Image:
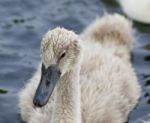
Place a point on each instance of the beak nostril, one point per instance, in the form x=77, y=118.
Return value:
x=47, y=83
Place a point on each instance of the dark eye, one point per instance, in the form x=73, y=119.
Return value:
x=63, y=55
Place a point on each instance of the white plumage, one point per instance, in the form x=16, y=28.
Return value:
x=138, y=10
x=98, y=83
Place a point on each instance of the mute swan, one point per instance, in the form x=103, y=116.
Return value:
x=138, y=10
x=95, y=81
x=146, y=122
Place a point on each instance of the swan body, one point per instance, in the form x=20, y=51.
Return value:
x=97, y=83
x=138, y=10
x=146, y=122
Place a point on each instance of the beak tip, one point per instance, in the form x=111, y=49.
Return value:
x=37, y=103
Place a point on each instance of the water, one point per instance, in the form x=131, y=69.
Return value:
x=22, y=24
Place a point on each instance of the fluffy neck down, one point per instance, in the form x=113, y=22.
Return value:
x=67, y=99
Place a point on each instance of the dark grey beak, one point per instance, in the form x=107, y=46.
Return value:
x=49, y=78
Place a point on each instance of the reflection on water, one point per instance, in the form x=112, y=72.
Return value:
x=18, y=21
x=146, y=95
x=2, y=91
x=147, y=47
x=111, y=3
x=22, y=24
x=147, y=58
x=142, y=27
x=147, y=83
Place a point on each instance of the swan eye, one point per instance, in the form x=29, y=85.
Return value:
x=62, y=55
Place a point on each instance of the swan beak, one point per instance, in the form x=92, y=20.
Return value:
x=48, y=81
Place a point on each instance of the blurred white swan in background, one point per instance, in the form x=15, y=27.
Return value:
x=94, y=78
x=138, y=10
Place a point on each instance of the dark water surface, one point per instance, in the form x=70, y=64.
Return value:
x=22, y=24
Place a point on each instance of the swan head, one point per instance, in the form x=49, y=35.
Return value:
x=60, y=53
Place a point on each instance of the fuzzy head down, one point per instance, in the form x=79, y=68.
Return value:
x=60, y=46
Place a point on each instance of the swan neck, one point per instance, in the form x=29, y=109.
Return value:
x=67, y=99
